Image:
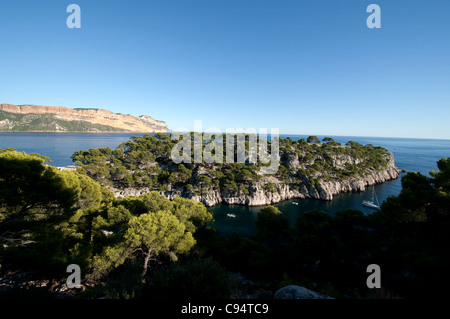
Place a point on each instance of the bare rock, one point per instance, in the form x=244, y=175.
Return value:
x=297, y=292
x=124, y=122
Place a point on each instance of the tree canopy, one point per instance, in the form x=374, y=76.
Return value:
x=145, y=163
x=51, y=218
x=313, y=139
x=138, y=245
x=28, y=189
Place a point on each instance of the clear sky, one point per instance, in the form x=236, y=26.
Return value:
x=305, y=67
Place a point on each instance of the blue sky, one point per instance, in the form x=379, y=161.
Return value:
x=305, y=67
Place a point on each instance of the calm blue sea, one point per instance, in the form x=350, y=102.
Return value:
x=418, y=155
x=60, y=146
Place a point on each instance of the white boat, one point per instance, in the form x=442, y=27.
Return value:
x=295, y=203
x=371, y=204
x=231, y=215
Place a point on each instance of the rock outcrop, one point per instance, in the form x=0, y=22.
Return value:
x=305, y=170
x=324, y=190
x=63, y=119
x=260, y=196
x=297, y=292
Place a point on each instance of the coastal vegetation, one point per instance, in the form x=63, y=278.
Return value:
x=51, y=218
x=148, y=246
x=305, y=167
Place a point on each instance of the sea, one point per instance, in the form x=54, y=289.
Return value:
x=410, y=154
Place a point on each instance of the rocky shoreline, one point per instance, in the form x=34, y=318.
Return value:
x=259, y=196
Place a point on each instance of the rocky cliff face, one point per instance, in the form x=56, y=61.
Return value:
x=63, y=119
x=259, y=196
x=324, y=190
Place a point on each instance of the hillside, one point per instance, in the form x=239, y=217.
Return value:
x=307, y=170
x=34, y=118
x=150, y=248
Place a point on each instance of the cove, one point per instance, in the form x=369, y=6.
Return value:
x=244, y=221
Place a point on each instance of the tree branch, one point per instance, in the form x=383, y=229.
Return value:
x=17, y=241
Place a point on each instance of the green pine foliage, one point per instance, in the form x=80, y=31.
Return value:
x=151, y=247
x=51, y=218
x=145, y=162
x=407, y=238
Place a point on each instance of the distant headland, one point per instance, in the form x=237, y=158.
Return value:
x=36, y=118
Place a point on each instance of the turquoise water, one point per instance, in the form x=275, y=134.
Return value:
x=418, y=155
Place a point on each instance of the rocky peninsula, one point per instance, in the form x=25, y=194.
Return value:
x=307, y=170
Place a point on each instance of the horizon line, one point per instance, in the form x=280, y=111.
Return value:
x=325, y=135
